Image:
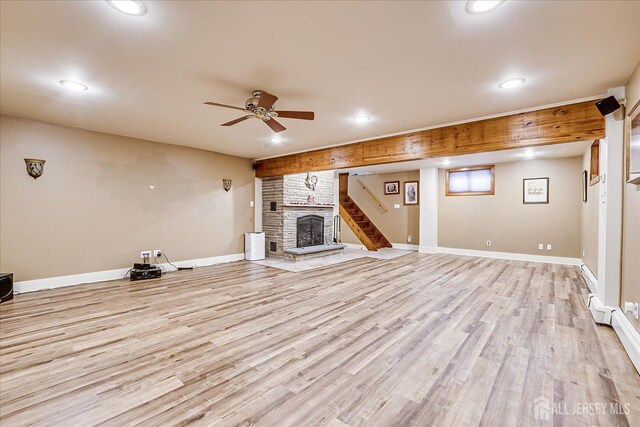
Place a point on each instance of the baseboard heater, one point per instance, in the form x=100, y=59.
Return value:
x=589, y=278
x=600, y=312
x=614, y=317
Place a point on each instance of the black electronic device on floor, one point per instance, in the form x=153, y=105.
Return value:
x=144, y=272
x=6, y=287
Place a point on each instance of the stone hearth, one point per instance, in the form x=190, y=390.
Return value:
x=296, y=254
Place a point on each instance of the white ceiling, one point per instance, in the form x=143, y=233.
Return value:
x=572, y=149
x=406, y=64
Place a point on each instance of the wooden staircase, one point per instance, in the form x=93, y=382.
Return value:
x=357, y=220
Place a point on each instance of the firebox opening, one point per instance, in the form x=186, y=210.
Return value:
x=309, y=231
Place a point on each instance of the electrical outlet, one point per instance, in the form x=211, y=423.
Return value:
x=157, y=253
x=541, y=246
x=548, y=246
x=251, y=204
x=145, y=254
x=584, y=252
x=488, y=242
x=408, y=239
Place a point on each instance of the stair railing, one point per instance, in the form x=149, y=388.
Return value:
x=365, y=188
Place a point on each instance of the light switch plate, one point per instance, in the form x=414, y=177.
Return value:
x=396, y=205
x=548, y=247
x=541, y=246
x=251, y=203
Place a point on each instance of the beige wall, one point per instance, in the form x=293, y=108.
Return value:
x=631, y=220
x=590, y=219
x=396, y=224
x=93, y=210
x=467, y=222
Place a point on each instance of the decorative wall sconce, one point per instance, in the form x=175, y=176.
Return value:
x=226, y=184
x=35, y=167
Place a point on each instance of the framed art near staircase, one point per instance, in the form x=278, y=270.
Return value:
x=411, y=192
x=392, y=187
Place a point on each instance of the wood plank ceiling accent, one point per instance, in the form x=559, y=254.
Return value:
x=555, y=125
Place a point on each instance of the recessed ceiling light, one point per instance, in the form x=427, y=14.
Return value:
x=446, y=162
x=477, y=7
x=512, y=83
x=77, y=86
x=130, y=7
x=276, y=139
x=151, y=187
x=361, y=119
x=528, y=154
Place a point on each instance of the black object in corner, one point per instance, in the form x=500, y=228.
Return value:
x=6, y=287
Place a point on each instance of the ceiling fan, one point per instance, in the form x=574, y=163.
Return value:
x=260, y=106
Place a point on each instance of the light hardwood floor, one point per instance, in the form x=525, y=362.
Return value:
x=416, y=340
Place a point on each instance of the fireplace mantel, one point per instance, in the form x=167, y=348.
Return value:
x=294, y=205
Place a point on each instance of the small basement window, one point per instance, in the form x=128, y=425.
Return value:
x=473, y=181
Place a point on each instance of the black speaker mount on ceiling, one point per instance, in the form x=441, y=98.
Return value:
x=607, y=105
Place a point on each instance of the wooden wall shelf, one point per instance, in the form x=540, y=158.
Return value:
x=293, y=205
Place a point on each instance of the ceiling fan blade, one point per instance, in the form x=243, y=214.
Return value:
x=233, y=122
x=275, y=126
x=303, y=115
x=266, y=100
x=225, y=106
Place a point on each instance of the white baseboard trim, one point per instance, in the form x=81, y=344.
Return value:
x=402, y=246
x=354, y=246
x=203, y=262
x=101, y=276
x=628, y=335
x=509, y=255
x=405, y=246
x=73, y=279
x=589, y=278
x=427, y=250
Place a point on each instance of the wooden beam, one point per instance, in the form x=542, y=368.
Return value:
x=555, y=125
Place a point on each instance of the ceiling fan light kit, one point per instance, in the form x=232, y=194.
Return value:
x=261, y=106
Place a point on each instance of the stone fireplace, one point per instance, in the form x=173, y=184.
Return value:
x=297, y=212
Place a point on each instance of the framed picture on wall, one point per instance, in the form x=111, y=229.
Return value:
x=585, y=185
x=535, y=191
x=392, y=187
x=632, y=143
x=411, y=192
